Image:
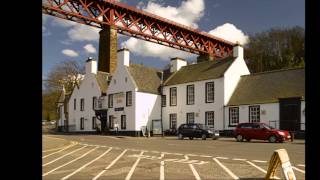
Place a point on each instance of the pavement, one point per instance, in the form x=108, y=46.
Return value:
x=121, y=157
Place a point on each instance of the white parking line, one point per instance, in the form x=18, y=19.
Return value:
x=205, y=156
x=59, y=150
x=302, y=165
x=226, y=169
x=259, y=161
x=64, y=156
x=69, y=162
x=110, y=165
x=222, y=158
x=259, y=168
x=300, y=170
x=74, y=172
x=162, y=170
x=133, y=167
x=195, y=173
x=237, y=159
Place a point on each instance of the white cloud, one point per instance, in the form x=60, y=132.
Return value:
x=62, y=22
x=70, y=53
x=231, y=33
x=89, y=48
x=188, y=13
x=81, y=32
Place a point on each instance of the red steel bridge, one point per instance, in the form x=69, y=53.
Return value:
x=140, y=24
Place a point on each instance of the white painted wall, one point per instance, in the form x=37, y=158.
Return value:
x=61, y=114
x=119, y=84
x=148, y=108
x=233, y=73
x=200, y=106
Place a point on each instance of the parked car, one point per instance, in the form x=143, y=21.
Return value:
x=196, y=130
x=260, y=131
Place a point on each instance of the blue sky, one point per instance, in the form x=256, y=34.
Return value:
x=230, y=19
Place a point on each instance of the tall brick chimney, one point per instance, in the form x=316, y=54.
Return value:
x=107, y=61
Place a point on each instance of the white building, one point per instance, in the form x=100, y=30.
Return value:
x=219, y=93
x=133, y=96
x=275, y=98
x=83, y=99
x=198, y=92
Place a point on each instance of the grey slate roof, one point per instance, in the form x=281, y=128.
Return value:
x=102, y=79
x=147, y=79
x=200, y=71
x=267, y=87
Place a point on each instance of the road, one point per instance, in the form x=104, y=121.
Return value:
x=109, y=157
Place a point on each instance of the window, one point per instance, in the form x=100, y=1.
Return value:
x=123, y=122
x=94, y=102
x=209, y=92
x=190, y=94
x=233, y=116
x=82, y=104
x=173, y=121
x=110, y=100
x=210, y=118
x=94, y=123
x=125, y=79
x=74, y=104
x=129, y=98
x=254, y=113
x=82, y=123
x=163, y=100
x=111, y=122
x=173, y=96
x=190, y=118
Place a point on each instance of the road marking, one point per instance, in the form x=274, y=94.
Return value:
x=155, y=151
x=192, y=155
x=195, y=173
x=237, y=159
x=225, y=168
x=222, y=158
x=74, y=172
x=162, y=168
x=110, y=165
x=205, y=156
x=302, y=165
x=259, y=161
x=133, y=167
x=59, y=150
x=64, y=156
x=300, y=170
x=259, y=168
x=69, y=162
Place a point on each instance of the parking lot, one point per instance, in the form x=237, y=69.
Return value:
x=101, y=157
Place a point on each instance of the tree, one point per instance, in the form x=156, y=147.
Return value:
x=276, y=49
x=64, y=75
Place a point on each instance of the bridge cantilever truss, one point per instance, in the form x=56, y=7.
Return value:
x=139, y=24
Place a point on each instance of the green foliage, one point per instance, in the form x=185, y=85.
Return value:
x=276, y=49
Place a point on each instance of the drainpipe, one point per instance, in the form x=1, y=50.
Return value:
x=161, y=94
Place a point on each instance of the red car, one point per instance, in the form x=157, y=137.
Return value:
x=260, y=131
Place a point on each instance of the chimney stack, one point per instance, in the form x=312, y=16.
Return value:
x=176, y=64
x=91, y=66
x=123, y=57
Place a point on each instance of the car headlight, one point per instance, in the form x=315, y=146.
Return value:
x=281, y=133
x=210, y=132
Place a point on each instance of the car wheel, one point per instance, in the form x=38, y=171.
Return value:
x=191, y=138
x=248, y=140
x=272, y=139
x=239, y=138
x=215, y=138
x=180, y=136
x=204, y=137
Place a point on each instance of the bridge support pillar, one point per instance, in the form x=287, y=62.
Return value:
x=108, y=45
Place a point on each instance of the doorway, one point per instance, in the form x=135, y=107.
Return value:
x=156, y=127
x=290, y=114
